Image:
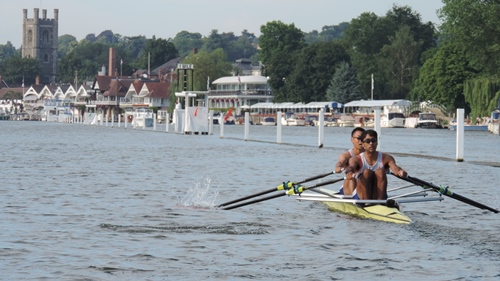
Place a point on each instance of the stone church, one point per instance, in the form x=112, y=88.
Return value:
x=40, y=40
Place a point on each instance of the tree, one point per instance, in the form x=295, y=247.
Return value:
x=244, y=47
x=87, y=58
x=185, y=42
x=344, y=86
x=11, y=95
x=314, y=67
x=279, y=43
x=6, y=51
x=15, y=69
x=475, y=26
x=420, y=31
x=399, y=60
x=235, y=47
x=65, y=44
x=364, y=37
x=157, y=52
x=482, y=95
x=441, y=78
x=133, y=46
x=368, y=34
x=213, y=65
x=328, y=33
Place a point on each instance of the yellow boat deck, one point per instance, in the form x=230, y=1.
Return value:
x=375, y=212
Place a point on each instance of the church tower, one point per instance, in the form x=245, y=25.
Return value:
x=40, y=40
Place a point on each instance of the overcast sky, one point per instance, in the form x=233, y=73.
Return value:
x=165, y=18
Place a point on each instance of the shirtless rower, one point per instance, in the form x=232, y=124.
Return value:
x=343, y=162
x=367, y=172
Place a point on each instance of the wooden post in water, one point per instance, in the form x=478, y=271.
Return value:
x=376, y=126
x=112, y=120
x=460, y=135
x=321, y=129
x=247, y=125
x=278, y=126
x=126, y=119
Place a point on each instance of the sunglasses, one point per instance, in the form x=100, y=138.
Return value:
x=358, y=138
x=370, y=141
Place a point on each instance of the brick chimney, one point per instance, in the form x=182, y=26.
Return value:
x=37, y=80
x=112, y=61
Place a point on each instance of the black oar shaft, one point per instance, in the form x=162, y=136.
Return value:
x=247, y=197
x=273, y=189
x=315, y=177
x=454, y=195
x=254, y=201
x=280, y=194
x=449, y=194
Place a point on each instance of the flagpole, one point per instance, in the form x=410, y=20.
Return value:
x=373, y=86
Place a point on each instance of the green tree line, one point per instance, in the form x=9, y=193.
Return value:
x=408, y=58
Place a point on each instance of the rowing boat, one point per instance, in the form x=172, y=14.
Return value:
x=366, y=209
x=375, y=212
x=383, y=210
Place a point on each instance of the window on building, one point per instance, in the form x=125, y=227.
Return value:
x=45, y=58
x=45, y=36
x=30, y=36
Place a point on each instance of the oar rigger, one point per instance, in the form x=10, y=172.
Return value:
x=447, y=192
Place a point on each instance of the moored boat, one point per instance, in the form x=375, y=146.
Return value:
x=427, y=120
x=345, y=121
x=292, y=120
x=392, y=120
x=142, y=117
x=364, y=122
x=268, y=121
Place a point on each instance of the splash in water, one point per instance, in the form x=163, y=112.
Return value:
x=202, y=195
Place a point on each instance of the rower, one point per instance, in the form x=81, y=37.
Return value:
x=367, y=172
x=343, y=162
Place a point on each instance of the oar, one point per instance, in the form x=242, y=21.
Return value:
x=295, y=190
x=446, y=191
x=285, y=185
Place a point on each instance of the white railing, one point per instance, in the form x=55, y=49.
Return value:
x=106, y=102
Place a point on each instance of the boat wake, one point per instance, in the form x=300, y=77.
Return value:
x=234, y=228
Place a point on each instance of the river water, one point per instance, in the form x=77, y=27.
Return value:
x=100, y=203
